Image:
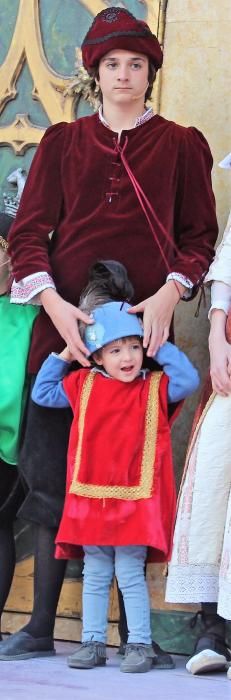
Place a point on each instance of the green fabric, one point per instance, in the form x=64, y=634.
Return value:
x=16, y=323
x=177, y=631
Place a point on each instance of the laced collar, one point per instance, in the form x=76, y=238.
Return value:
x=148, y=114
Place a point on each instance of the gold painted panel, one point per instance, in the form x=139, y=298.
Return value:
x=48, y=85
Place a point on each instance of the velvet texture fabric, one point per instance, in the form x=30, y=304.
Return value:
x=11, y=493
x=42, y=463
x=116, y=28
x=78, y=187
x=118, y=459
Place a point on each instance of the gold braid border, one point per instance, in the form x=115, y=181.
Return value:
x=144, y=488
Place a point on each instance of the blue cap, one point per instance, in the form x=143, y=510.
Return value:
x=111, y=323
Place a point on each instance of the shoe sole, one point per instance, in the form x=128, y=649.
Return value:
x=136, y=669
x=84, y=666
x=207, y=665
x=165, y=666
x=26, y=655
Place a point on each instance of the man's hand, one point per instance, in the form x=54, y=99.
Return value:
x=65, y=318
x=220, y=354
x=157, y=315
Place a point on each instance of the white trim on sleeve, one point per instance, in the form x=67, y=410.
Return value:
x=183, y=280
x=27, y=290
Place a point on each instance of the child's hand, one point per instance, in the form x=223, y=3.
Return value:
x=66, y=355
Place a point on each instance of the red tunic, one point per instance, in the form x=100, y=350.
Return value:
x=120, y=481
x=78, y=187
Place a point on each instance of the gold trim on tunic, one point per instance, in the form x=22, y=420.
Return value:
x=144, y=488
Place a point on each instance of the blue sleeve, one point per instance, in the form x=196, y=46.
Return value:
x=183, y=376
x=48, y=388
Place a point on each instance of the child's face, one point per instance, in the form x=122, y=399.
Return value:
x=122, y=359
x=4, y=270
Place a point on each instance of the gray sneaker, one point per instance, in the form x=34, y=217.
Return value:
x=88, y=655
x=138, y=658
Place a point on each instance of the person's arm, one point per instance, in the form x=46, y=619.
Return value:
x=40, y=207
x=195, y=227
x=158, y=311
x=65, y=318
x=220, y=354
x=27, y=290
x=220, y=297
x=183, y=376
x=195, y=221
x=185, y=281
x=38, y=216
x=220, y=268
x=48, y=388
x=219, y=348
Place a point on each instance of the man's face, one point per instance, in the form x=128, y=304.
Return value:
x=123, y=76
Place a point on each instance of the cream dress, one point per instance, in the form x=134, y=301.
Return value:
x=200, y=568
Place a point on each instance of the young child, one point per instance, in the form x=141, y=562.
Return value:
x=120, y=497
x=16, y=325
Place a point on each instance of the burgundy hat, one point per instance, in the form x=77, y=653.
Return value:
x=116, y=28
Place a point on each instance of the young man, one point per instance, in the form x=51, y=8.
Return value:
x=123, y=184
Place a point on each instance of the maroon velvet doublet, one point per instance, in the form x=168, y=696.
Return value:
x=78, y=188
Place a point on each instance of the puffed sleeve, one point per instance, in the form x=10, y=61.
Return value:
x=220, y=269
x=195, y=216
x=40, y=207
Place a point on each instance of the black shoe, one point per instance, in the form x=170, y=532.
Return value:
x=22, y=645
x=162, y=660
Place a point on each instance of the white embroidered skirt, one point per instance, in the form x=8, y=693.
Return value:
x=200, y=568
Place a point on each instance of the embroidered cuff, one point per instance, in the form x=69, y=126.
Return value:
x=183, y=280
x=29, y=288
